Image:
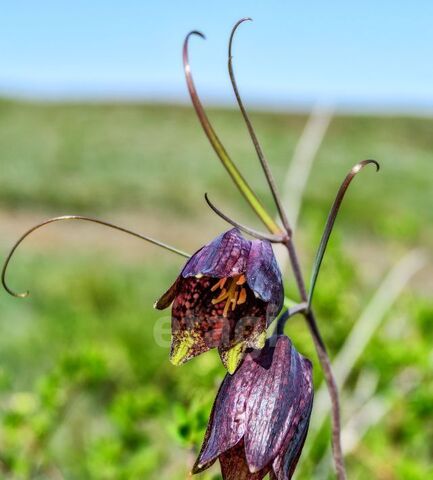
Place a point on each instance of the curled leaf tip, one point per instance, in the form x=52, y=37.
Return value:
x=15, y=294
x=374, y=162
x=245, y=19
x=197, y=33
x=359, y=166
x=232, y=34
x=3, y=279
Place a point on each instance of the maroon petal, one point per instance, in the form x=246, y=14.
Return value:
x=226, y=256
x=227, y=422
x=243, y=277
x=248, y=332
x=198, y=324
x=259, y=403
x=266, y=404
x=167, y=298
x=276, y=402
x=264, y=275
x=285, y=464
x=234, y=465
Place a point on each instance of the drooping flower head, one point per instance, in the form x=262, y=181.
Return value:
x=260, y=417
x=225, y=297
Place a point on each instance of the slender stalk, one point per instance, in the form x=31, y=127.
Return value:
x=77, y=217
x=324, y=362
x=308, y=314
x=367, y=324
x=282, y=320
x=263, y=162
x=285, y=237
x=311, y=319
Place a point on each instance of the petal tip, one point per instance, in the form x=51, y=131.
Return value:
x=260, y=341
x=167, y=298
x=233, y=357
x=157, y=305
x=181, y=350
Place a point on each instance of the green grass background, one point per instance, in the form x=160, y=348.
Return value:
x=86, y=389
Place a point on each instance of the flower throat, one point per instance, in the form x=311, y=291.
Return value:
x=232, y=292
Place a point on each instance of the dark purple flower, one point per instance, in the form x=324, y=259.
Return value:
x=260, y=417
x=226, y=295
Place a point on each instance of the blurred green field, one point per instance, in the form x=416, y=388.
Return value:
x=86, y=388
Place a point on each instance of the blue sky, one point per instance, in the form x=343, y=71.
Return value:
x=370, y=54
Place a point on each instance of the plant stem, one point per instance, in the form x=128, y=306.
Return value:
x=274, y=229
x=282, y=320
x=324, y=362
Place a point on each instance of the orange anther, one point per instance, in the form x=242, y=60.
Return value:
x=222, y=296
x=242, y=296
x=219, y=284
x=233, y=293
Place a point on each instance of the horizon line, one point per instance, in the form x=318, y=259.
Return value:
x=289, y=106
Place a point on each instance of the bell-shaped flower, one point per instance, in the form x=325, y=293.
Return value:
x=260, y=417
x=225, y=297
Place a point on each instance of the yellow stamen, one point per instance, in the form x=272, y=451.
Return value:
x=234, y=299
x=242, y=296
x=226, y=308
x=223, y=295
x=234, y=293
x=219, y=284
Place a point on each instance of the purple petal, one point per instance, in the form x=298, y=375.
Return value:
x=285, y=464
x=193, y=310
x=248, y=332
x=228, y=418
x=272, y=405
x=264, y=275
x=275, y=403
x=234, y=465
x=168, y=297
x=226, y=256
x=266, y=404
x=198, y=324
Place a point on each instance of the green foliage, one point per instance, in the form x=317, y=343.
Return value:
x=86, y=389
